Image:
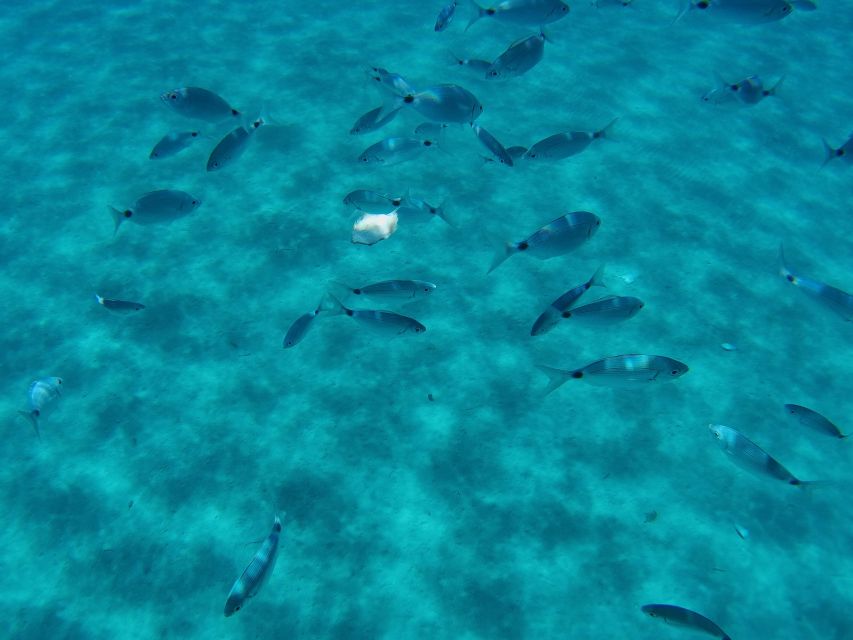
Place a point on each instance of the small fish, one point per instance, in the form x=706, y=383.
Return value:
x=491, y=143
x=431, y=130
x=557, y=238
x=749, y=456
x=728, y=346
x=603, y=4
x=748, y=91
x=681, y=617
x=393, y=82
x=441, y=103
x=119, y=306
x=563, y=145
x=740, y=11
x=405, y=289
x=838, y=301
x=558, y=309
x=519, y=58
x=391, y=151
x=41, y=393
x=372, y=201
x=418, y=211
x=198, y=103
x=371, y=228
x=384, y=322
x=606, y=311
x=813, y=420
x=844, y=152
x=156, y=207
x=530, y=13
x=475, y=65
x=172, y=144
x=445, y=16
x=256, y=574
x=619, y=371
x=741, y=531
x=299, y=329
x=232, y=146
x=373, y=120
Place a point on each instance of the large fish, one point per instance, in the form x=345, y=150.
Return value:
x=198, y=103
x=530, y=13
x=563, y=145
x=606, y=311
x=41, y=393
x=256, y=574
x=557, y=238
x=519, y=58
x=749, y=456
x=813, y=420
x=838, y=301
x=681, y=617
x=384, y=322
x=156, y=207
x=558, y=309
x=625, y=371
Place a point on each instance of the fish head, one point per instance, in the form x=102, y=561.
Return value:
x=676, y=369
x=718, y=432
x=173, y=97
x=235, y=600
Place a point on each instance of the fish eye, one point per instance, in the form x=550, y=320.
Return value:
x=194, y=134
x=567, y=314
x=128, y=213
x=195, y=202
x=173, y=96
x=703, y=4
x=734, y=87
x=523, y=245
x=675, y=372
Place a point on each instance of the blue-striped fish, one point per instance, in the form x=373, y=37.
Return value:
x=384, y=322
x=625, y=371
x=556, y=238
x=813, y=420
x=256, y=574
x=233, y=145
x=563, y=145
x=558, y=309
x=198, y=103
x=404, y=289
x=681, y=617
x=445, y=16
x=838, y=301
x=156, y=207
x=606, y=311
x=41, y=393
x=749, y=456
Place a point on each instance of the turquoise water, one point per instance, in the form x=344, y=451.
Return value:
x=491, y=511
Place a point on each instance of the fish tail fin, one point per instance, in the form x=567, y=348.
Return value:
x=456, y=60
x=808, y=485
x=607, y=131
x=99, y=299
x=331, y=305
x=830, y=152
x=556, y=377
x=502, y=252
x=339, y=289
x=597, y=279
x=686, y=5
x=118, y=217
x=480, y=13
x=545, y=35
x=805, y=5
x=784, y=271
x=441, y=212
x=772, y=90
x=33, y=417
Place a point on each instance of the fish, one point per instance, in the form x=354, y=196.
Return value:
x=748, y=91
x=173, y=143
x=749, y=456
x=843, y=152
x=393, y=82
x=557, y=238
x=404, y=289
x=475, y=65
x=372, y=201
x=606, y=311
x=431, y=130
x=256, y=574
x=603, y=4
x=530, y=13
x=440, y=103
x=491, y=143
x=391, y=151
x=299, y=329
x=445, y=16
x=384, y=322
x=198, y=103
x=39, y=394
x=156, y=207
x=813, y=420
x=373, y=120
x=233, y=145
x=563, y=145
x=371, y=228
x=681, y=617
x=119, y=306
x=625, y=371
x=519, y=58
x=738, y=11
x=558, y=309
x=834, y=299
x=416, y=210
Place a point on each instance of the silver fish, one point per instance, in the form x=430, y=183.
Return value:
x=198, y=103
x=748, y=12
x=606, y=311
x=445, y=16
x=603, y=4
x=749, y=456
x=844, y=152
x=372, y=201
x=119, y=306
x=386, y=322
x=476, y=66
x=493, y=145
x=557, y=238
x=558, y=309
x=393, y=82
x=563, y=145
x=748, y=91
x=173, y=143
x=232, y=146
x=445, y=103
x=681, y=617
x=404, y=289
x=373, y=120
x=391, y=151
x=156, y=207
x=531, y=13
x=813, y=420
x=633, y=370
x=299, y=329
x=41, y=393
x=431, y=130
x=838, y=301
x=256, y=574
x=519, y=58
